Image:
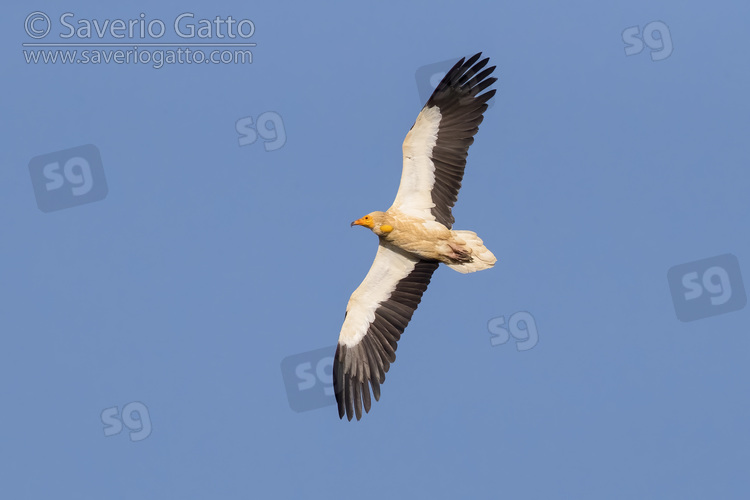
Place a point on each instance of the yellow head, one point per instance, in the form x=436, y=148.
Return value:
x=376, y=221
x=367, y=221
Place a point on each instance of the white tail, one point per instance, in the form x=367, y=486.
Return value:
x=481, y=257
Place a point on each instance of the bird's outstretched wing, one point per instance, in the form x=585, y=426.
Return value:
x=436, y=147
x=376, y=316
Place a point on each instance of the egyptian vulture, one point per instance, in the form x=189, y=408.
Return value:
x=415, y=235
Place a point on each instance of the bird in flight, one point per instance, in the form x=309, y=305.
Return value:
x=414, y=234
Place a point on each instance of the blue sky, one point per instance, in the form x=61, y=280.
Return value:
x=153, y=326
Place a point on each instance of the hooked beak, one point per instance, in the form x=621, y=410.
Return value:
x=361, y=222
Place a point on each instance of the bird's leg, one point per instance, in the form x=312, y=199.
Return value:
x=460, y=254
